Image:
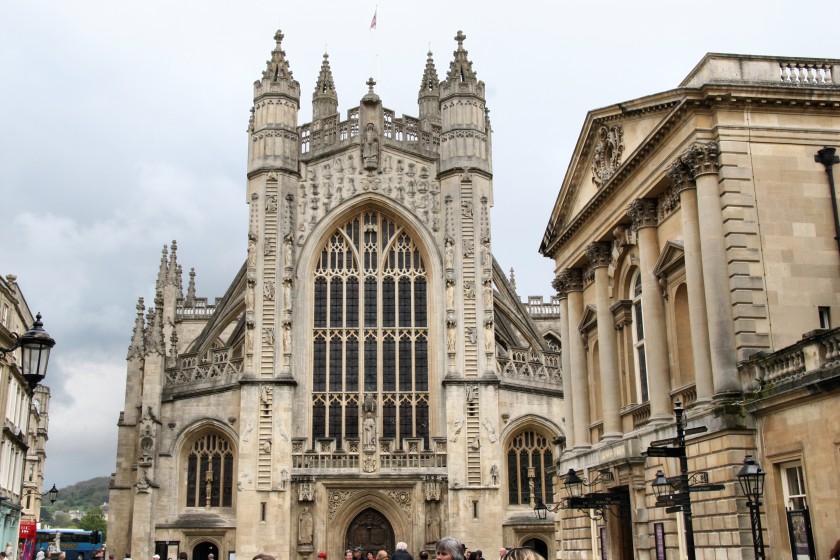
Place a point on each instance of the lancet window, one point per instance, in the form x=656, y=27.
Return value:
x=529, y=461
x=210, y=472
x=370, y=349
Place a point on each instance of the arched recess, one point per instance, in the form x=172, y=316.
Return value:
x=370, y=251
x=359, y=501
x=181, y=448
x=202, y=550
x=536, y=543
x=529, y=441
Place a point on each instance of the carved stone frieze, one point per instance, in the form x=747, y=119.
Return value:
x=607, y=153
x=337, y=498
x=403, y=500
x=643, y=212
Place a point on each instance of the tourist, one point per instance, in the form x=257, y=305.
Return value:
x=448, y=548
x=401, y=553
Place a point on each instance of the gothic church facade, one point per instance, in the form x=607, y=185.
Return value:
x=370, y=374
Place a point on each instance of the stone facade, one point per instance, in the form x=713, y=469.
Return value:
x=694, y=243
x=25, y=420
x=370, y=374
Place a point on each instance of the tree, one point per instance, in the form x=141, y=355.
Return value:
x=93, y=520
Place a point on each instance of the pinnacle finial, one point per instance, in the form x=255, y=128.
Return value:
x=370, y=83
x=278, y=37
x=460, y=38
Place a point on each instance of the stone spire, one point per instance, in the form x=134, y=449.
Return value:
x=429, y=96
x=277, y=68
x=325, y=98
x=460, y=69
x=191, y=289
x=137, y=348
x=154, y=334
x=163, y=271
x=173, y=272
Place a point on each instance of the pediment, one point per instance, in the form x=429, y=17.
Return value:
x=589, y=319
x=671, y=257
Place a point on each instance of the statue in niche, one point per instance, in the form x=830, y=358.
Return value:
x=488, y=295
x=287, y=250
x=287, y=338
x=433, y=525
x=472, y=393
x=305, y=526
x=370, y=148
x=494, y=475
x=249, y=296
x=449, y=253
x=472, y=335
x=489, y=335
x=249, y=339
x=450, y=294
x=252, y=252
x=369, y=429
x=450, y=337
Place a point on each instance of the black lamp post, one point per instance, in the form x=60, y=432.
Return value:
x=35, y=345
x=751, y=477
x=541, y=510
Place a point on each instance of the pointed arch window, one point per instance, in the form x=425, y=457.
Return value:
x=370, y=333
x=640, y=361
x=529, y=462
x=210, y=472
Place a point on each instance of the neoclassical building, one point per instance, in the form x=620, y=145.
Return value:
x=370, y=375
x=696, y=261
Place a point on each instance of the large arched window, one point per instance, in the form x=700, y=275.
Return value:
x=210, y=472
x=370, y=356
x=528, y=463
x=640, y=360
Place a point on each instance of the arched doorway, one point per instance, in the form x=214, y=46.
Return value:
x=204, y=549
x=538, y=545
x=371, y=531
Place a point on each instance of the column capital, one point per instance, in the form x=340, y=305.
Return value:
x=560, y=287
x=571, y=279
x=599, y=253
x=680, y=174
x=643, y=213
x=703, y=158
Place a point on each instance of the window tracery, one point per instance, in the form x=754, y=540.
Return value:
x=370, y=332
x=210, y=472
x=529, y=462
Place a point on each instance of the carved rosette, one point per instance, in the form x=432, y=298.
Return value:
x=643, y=213
x=337, y=498
x=702, y=158
x=607, y=153
x=599, y=253
x=403, y=499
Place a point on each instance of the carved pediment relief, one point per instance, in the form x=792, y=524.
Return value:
x=607, y=153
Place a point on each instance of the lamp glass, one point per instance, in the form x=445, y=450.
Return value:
x=35, y=345
x=540, y=510
x=53, y=494
x=661, y=486
x=751, y=477
x=573, y=484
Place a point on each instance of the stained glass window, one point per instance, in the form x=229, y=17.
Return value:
x=210, y=472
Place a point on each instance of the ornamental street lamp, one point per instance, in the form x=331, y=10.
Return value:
x=35, y=345
x=598, y=502
x=751, y=477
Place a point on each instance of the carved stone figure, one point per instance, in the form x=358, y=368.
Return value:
x=369, y=428
x=494, y=475
x=370, y=148
x=433, y=526
x=450, y=337
x=305, y=526
x=449, y=253
x=252, y=252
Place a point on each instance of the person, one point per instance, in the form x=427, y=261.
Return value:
x=502, y=552
x=448, y=548
x=370, y=556
x=40, y=555
x=357, y=553
x=182, y=555
x=523, y=554
x=423, y=555
x=381, y=555
x=401, y=552
x=322, y=555
x=348, y=554
x=156, y=557
x=263, y=556
x=835, y=551
x=128, y=555
x=210, y=556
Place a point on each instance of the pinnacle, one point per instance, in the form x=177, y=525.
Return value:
x=430, y=80
x=460, y=69
x=277, y=68
x=325, y=86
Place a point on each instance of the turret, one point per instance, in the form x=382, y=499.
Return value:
x=429, y=96
x=465, y=136
x=325, y=98
x=273, y=127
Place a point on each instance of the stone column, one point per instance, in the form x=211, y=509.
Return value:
x=643, y=213
x=565, y=363
x=572, y=280
x=702, y=158
x=679, y=173
x=598, y=254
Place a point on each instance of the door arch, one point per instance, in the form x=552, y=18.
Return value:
x=370, y=530
x=202, y=550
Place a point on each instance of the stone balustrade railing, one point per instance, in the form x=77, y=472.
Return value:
x=521, y=364
x=190, y=368
x=805, y=73
x=354, y=456
x=198, y=308
x=537, y=307
x=817, y=350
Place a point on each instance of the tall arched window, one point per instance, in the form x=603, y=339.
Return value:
x=210, y=472
x=639, y=339
x=528, y=461
x=370, y=364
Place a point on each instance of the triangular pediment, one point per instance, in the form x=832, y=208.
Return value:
x=612, y=142
x=672, y=256
x=589, y=319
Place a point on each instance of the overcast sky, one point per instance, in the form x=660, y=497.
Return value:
x=122, y=127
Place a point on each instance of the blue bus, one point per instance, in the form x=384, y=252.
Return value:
x=77, y=544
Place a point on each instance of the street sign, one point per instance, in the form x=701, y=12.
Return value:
x=673, y=509
x=706, y=487
x=670, y=500
x=665, y=451
x=661, y=442
x=697, y=430
x=595, y=501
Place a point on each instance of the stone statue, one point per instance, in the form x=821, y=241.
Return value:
x=449, y=253
x=433, y=526
x=370, y=148
x=369, y=428
x=494, y=475
x=305, y=526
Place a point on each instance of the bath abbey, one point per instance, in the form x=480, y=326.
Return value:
x=371, y=375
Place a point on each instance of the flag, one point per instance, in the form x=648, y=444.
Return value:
x=373, y=21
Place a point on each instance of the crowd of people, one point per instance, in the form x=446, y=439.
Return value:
x=448, y=548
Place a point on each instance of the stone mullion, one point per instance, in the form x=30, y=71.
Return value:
x=644, y=214
x=599, y=256
x=703, y=161
x=679, y=173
